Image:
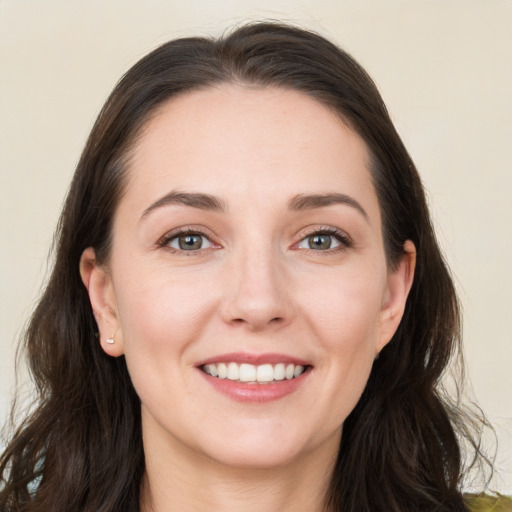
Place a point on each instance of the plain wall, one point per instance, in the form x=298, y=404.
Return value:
x=443, y=67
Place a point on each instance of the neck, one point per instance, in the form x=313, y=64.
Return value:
x=178, y=478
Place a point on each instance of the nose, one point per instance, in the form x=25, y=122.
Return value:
x=258, y=294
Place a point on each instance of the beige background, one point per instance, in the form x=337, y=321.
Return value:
x=444, y=68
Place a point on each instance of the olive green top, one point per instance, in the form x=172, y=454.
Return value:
x=485, y=503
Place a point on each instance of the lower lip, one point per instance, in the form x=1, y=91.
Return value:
x=256, y=393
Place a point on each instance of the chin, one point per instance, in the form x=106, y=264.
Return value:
x=256, y=458
x=274, y=449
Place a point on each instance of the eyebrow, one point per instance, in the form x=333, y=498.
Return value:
x=195, y=200
x=310, y=201
x=207, y=202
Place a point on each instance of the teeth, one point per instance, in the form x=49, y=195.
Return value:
x=265, y=373
x=262, y=373
x=298, y=370
x=233, y=372
x=247, y=372
x=279, y=371
x=222, y=370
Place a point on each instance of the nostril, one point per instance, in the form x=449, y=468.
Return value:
x=256, y=324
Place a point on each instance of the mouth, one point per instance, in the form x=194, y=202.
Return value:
x=255, y=378
x=247, y=373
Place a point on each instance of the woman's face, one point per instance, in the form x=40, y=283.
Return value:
x=247, y=284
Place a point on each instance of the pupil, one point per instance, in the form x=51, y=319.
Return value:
x=190, y=242
x=320, y=242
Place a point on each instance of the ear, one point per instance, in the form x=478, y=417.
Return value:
x=101, y=294
x=399, y=284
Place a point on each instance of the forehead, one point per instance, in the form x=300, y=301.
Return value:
x=235, y=141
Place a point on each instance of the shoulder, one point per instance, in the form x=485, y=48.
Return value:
x=486, y=503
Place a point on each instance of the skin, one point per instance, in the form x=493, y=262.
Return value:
x=256, y=286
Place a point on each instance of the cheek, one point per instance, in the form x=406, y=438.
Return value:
x=346, y=310
x=160, y=316
x=345, y=318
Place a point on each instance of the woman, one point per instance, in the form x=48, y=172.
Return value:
x=248, y=309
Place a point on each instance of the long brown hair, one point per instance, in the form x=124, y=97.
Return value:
x=80, y=449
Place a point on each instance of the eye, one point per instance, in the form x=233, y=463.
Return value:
x=319, y=242
x=325, y=240
x=189, y=242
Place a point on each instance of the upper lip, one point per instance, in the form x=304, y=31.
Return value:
x=255, y=359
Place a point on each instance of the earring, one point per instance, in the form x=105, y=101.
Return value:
x=112, y=339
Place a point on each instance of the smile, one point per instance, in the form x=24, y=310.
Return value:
x=255, y=378
x=254, y=374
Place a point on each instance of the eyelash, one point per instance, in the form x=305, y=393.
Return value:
x=345, y=242
x=169, y=237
